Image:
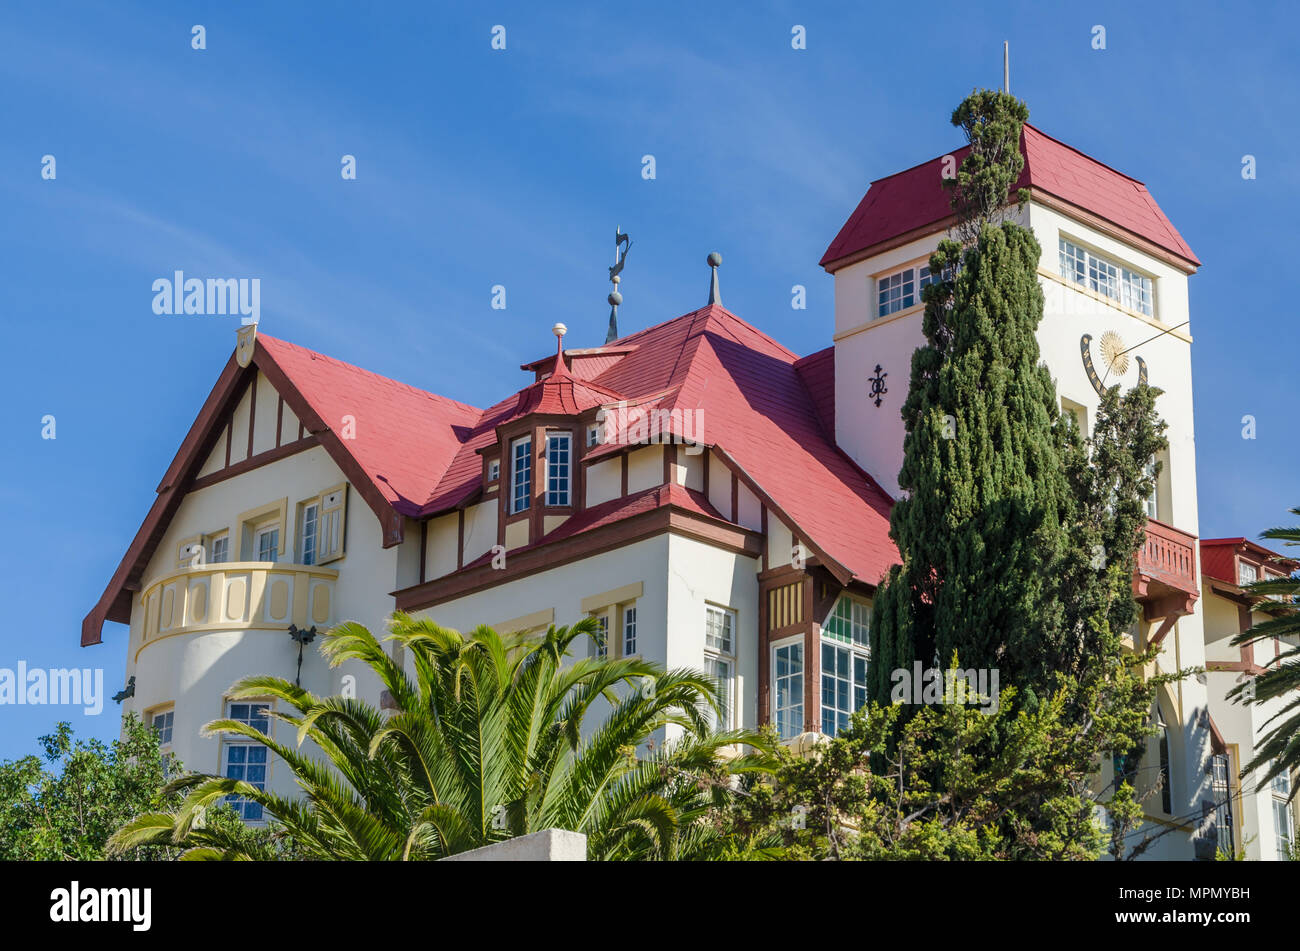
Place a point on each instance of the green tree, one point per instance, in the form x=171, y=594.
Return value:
x=1279, y=748
x=65, y=803
x=492, y=737
x=952, y=782
x=980, y=527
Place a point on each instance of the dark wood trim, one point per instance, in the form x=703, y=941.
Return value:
x=424, y=547
x=301, y=430
x=623, y=475
x=841, y=573
x=533, y=559
x=230, y=426
x=766, y=541
x=1242, y=666
x=253, y=462
x=460, y=540
x=279, y=420
x=707, y=452
x=812, y=664
x=252, y=415
x=392, y=525
x=735, y=497
x=670, y=460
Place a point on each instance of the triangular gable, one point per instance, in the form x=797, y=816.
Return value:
x=308, y=395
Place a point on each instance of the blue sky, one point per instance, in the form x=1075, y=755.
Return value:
x=479, y=167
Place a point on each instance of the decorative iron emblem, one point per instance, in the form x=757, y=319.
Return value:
x=878, y=384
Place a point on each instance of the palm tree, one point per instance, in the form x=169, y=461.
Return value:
x=494, y=736
x=1280, y=748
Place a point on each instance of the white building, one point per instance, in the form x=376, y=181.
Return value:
x=717, y=500
x=1253, y=817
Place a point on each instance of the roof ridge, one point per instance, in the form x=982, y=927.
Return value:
x=316, y=354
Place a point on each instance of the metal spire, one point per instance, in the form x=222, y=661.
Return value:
x=622, y=241
x=1006, y=66
x=715, y=261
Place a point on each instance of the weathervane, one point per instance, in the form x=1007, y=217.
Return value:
x=622, y=241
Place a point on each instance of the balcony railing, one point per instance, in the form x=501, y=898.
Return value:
x=1165, y=580
x=238, y=595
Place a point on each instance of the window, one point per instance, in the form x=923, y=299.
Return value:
x=1166, y=776
x=787, y=689
x=1283, y=820
x=720, y=659
x=600, y=643
x=1246, y=573
x=162, y=725
x=521, y=475
x=629, y=630
x=332, y=528
x=267, y=544
x=719, y=624
x=310, y=524
x=557, y=468
x=494, y=470
x=1152, y=502
x=219, y=549
x=1129, y=288
x=246, y=760
x=849, y=621
x=723, y=670
x=1222, y=792
x=593, y=435
x=896, y=292
x=845, y=639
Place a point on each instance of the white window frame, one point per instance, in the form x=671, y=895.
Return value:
x=309, y=532
x=722, y=653
x=593, y=435
x=263, y=532
x=228, y=744
x=1243, y=578
x=774, y=692
x=559, y=472
x=223, y=539
x=494, y=470
x=167, y=711
x=1151, y=504
x=627, y=615
x=855, y=652
x=1283, y=817
x=1130, y=288
x=893, y=294
x=521, y=476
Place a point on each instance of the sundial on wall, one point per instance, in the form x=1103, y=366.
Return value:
x=1114, y=360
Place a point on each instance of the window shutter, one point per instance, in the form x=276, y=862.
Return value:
x=332, y=528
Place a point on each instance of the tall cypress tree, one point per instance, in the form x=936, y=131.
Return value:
x=981, y=527
x=1017, y=535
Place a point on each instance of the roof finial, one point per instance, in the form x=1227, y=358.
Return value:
x=715, y=261
x=1006, y=66
x=621, y=240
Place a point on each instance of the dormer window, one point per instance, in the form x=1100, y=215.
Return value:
x=558, y=468
x=1246, y=573
x=1129, y=288
x=521, y=474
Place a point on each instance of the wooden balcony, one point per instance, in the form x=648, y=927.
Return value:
x=238, y=595
x=1165, y=581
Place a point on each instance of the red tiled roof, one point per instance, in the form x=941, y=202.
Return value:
x=763, y=407
x=404, y=438
x=916, y=199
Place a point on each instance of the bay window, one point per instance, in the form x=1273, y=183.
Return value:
x=521, y=474
x=787, y=688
